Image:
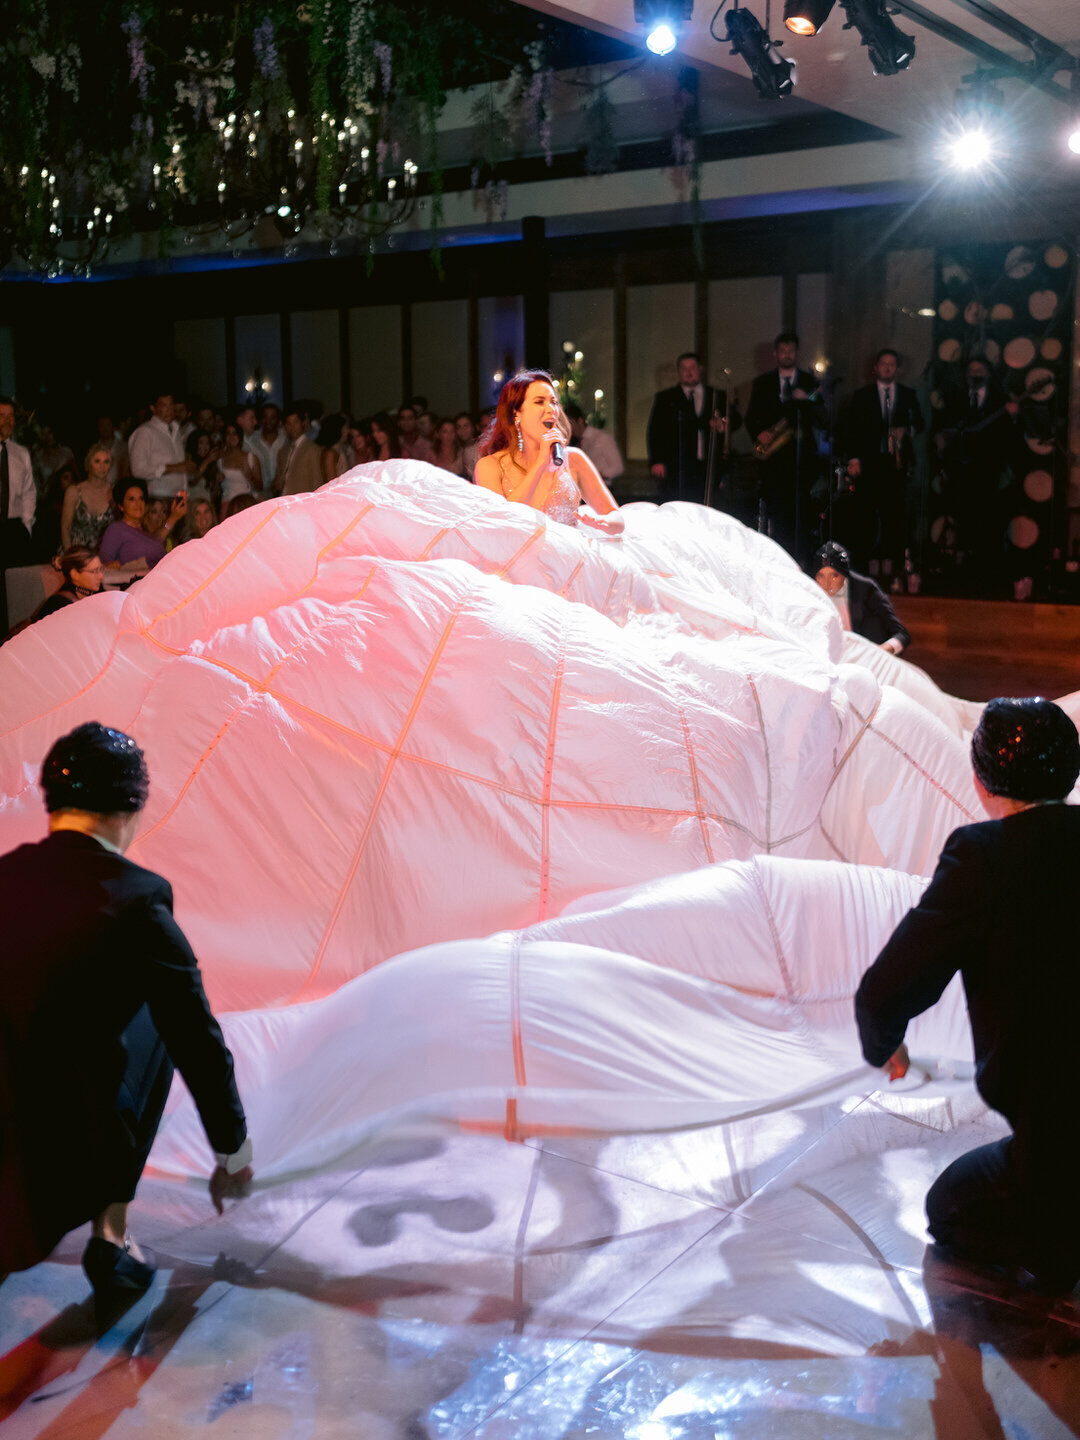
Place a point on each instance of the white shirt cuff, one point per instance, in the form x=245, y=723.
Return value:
x=232, y=1163
x=893, y=645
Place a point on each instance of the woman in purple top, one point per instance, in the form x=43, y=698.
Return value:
x=125, y=544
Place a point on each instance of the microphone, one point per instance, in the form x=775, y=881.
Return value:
x=558, y=454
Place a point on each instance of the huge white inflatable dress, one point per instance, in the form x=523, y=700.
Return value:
x=489, y=821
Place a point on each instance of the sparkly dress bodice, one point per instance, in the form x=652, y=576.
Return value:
x=88, y=528
x=563, y=498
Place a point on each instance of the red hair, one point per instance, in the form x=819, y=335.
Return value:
x=501, y=434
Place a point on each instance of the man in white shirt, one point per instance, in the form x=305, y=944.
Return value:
x=267, y=443
x=18, y=500
x=156, y=452
x=598, y=445
x=413, y=444
x=185, y=425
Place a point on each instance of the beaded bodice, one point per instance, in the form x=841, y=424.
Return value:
x=563, y=497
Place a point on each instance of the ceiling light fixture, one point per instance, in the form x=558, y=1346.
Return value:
x=772, y=74
x=663, y=20
x=890, y=49
x=806, y=17
x=977, y=135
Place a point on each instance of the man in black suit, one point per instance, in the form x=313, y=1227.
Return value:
x=787, y=476
x=864, y=607
x=882, y=421
x=101, y=997
x=1001, y=909
x=685, y=423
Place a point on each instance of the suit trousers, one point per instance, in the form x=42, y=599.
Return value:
x=1011, y=1203
x=140, y=1101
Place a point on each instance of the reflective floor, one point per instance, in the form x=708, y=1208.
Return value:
x=761, y=1280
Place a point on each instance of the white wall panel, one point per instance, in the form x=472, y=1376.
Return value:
x=659, y=326
x=375, y=358
x=316, y=357
x=501, y=326
x=744, y=317
x=440, y=354
x=812, y=318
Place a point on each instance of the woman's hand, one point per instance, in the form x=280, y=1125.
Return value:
x=548, y=441
x=611, y=524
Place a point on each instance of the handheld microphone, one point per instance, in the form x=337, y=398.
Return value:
x=558, y=454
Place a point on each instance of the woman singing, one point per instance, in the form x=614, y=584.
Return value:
x=516, y=458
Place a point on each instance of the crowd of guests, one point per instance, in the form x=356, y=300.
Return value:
x=166, y=477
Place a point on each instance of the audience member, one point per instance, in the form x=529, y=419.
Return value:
x=863, y=605
x=125, y=544
x=48, y=455
x=109, y=436
x=18, y=500
x=201, y=520
x=241, y=473
x=82, y=570
x=386, y=441
x=102, y=997
x=363, y=450
x=426, y=425
x=161, y=520
x=598, y=445
x=413, y=444
x=333, y=457
x=45, y=541
x=184, y=423
x=446, y=449
x=156, y=452
x=238, y=503
x=299, y=467
x=204, y=420
x=266, y=444
x=88, y=506
x=465, y=431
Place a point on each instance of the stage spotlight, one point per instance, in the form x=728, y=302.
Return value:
x=1073, y=140
x=662, y=19
x=773, y=76
x=806, y=17
x=890, y=49
x=661, y=40
x=970, y=149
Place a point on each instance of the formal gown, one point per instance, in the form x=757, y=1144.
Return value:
x=563, y=498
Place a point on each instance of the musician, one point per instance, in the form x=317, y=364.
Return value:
x=974, y=438
x=882, y=420
x=782, y=413
x=685, y=420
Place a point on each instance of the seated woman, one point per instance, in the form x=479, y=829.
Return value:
x=82, y=570
x=385, y=441
x=518, y=458
x=201, y=520
x=446, y=450
x=88, y=507
x=126, y=545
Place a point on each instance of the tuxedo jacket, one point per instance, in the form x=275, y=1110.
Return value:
x=300, y=467
x=872, y=614
x=89, y=944
x=867, y=432
x=1001, y=909
x=674, y=427
x=766, y=407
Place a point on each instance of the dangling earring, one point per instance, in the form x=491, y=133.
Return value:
x=521, y=438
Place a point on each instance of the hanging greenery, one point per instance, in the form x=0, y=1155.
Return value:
x=142, y=115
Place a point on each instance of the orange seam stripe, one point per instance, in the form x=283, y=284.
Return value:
x=699, y=803
x=545, y=799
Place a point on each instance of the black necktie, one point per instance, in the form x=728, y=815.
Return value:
x=5, y=483
x=785, y=391
x=886, y=404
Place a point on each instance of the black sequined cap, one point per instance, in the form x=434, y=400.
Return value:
x=96, y=769
x=1026, y=750
x=833, y=554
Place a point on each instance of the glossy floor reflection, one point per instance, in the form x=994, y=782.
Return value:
x=766, y=1279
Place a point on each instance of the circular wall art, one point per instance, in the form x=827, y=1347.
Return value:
x=973, y=312
x=1037, y=446
x=1042, y=304
x=1038, y=486
x=943, y=531
x=1019, y=353
x=950, y=351
x=992, y=351
x=1001, y=312
x=1023, y=532
x=948, y=310
x=1056, y=256
x=1019, y=263
x=1040, y=385
x=1051, y=348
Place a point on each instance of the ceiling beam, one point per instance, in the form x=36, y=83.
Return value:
x=1001, y=64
